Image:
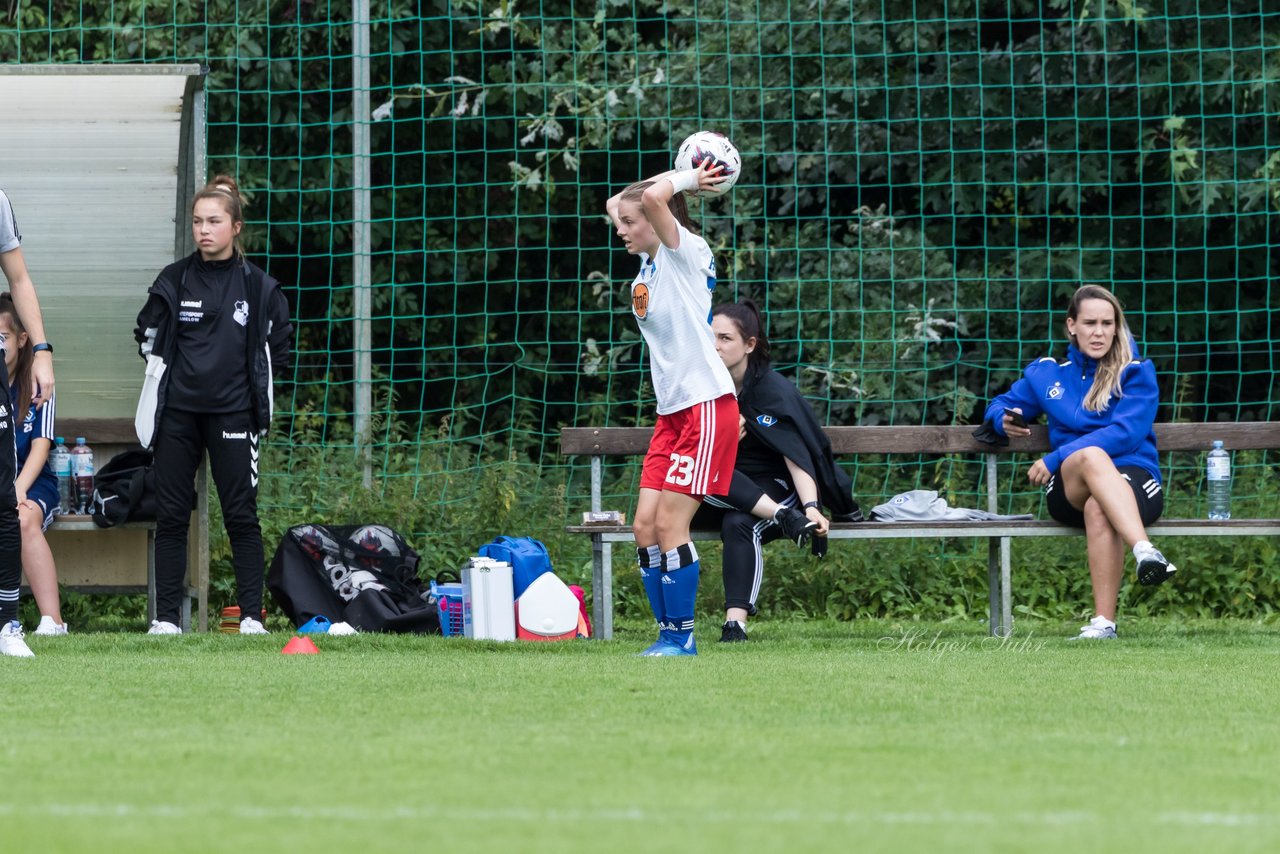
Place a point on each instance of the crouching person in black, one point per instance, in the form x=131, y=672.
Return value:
x=785, y=472
x=214, y=332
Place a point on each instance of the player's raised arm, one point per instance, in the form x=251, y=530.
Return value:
x=657, y=198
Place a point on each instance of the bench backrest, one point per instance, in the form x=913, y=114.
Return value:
x=946, y=439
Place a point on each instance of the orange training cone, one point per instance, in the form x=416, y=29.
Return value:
x=300, y=646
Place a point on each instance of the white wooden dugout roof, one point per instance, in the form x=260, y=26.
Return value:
x=100, y=163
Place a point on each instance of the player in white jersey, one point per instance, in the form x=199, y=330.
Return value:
x=695, y=440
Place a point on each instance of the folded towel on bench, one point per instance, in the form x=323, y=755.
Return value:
x=924, y=505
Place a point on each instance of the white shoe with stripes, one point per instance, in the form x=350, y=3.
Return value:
x=1099, y=628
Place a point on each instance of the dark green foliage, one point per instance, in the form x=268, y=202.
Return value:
x=921, y=192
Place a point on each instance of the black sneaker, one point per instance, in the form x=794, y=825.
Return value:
x=1154, y=568
x=732, y=632
x=796, y=526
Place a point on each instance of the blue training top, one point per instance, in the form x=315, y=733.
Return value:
x=38, y=425
x=1123, y=428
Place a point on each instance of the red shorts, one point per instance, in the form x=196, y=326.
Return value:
x=693, y=451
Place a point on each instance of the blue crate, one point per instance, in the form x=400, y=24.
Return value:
x=455, y=610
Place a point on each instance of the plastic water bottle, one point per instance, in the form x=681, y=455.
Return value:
x=1219, y=482
x=82, y=475
x=61, y=461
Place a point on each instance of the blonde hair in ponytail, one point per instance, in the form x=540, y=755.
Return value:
x=1106, y=382
x=224, y=189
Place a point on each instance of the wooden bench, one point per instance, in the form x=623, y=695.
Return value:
x=601, y=442
x=111, y=560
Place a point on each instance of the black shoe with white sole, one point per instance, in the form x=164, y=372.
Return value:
x=796, y=526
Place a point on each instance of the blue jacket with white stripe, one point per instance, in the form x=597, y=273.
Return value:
x=1124, y=428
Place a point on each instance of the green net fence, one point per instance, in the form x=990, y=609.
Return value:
x=924, y=184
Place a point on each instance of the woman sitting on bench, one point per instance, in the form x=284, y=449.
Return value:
x=1103, y=474
x=35, y=487
x=784, y=474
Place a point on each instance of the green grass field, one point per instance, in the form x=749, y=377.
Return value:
x=812, y=737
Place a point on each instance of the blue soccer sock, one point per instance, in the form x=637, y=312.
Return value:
x=650, y=559
x=680, y=593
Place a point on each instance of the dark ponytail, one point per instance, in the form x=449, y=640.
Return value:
x=746, y=316
x=26, y=355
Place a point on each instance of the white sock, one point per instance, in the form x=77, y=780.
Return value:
x=1103, y=621
x=1142, y=549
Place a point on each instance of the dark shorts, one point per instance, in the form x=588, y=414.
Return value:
x=47, y=497
x=1145, y=488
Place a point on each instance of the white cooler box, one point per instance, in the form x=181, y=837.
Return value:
x=547, y=611
x=493, y=613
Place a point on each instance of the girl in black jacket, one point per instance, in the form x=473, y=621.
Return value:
x=785, y=473
x=215, y=331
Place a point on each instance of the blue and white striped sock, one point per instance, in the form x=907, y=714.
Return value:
x=650, y=559
x=680, y=593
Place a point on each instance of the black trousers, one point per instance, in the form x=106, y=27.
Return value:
x=744, y=535
x=232, y=443
x=10, y=530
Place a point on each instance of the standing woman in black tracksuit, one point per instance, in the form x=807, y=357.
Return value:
x=785, y=474
x=213, y=332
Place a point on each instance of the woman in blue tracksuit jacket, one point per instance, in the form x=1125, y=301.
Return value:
x=1103, y=474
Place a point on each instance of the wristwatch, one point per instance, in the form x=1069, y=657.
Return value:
x=809, y=504
x=43, y=345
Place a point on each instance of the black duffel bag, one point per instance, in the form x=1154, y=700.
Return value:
x=363, y=575
x=124, y=490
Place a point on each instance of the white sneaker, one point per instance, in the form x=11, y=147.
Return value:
x=1099, y=628
x=49, y=627
x=163, y=627
x=250, y=626
x=11, y=642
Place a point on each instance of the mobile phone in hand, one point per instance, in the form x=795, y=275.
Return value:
x=1015, y=417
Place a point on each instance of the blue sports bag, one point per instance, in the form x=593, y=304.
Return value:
x=527, y=556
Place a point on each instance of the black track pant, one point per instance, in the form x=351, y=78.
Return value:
x=10, y=531
x=744, y=535
x=181, y=440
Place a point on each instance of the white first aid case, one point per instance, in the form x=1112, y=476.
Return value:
x=493, y=609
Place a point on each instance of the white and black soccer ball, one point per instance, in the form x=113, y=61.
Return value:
x=708, y=145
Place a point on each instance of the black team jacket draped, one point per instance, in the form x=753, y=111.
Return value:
x=780, y=418
x=268, y=336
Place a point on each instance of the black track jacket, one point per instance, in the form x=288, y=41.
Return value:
x=779, y=417
x=269, y=334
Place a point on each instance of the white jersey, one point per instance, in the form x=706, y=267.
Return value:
x=671, y=300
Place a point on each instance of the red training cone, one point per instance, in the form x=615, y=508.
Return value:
x=300, y=646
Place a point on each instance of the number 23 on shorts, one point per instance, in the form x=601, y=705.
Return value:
x=681, y=471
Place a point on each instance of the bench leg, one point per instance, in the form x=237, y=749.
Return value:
x=1006, y=587
x=151, y=577
x=602, y=587
x=606, y=586
x=999, y=598
x=993, y=586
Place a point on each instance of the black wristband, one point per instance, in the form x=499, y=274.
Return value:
x=809, y=504
x=44, y=345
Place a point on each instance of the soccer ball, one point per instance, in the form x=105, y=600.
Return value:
x=373, y=542
x=716, y=147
